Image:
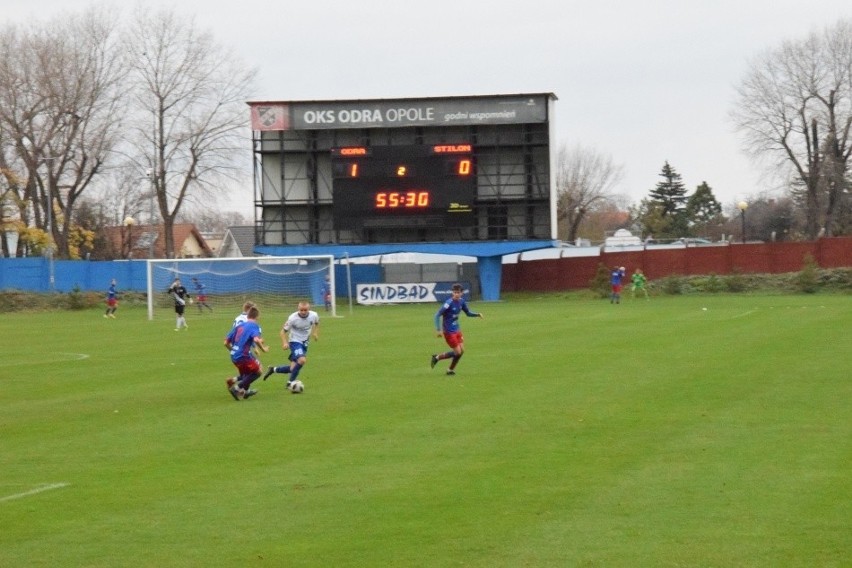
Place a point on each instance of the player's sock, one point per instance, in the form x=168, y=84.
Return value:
x=455, y=361
x=249, y=379
x=294, y=372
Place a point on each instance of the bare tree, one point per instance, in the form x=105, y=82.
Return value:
x=795, y=107
x=9, y=209
x=585, y=180
x=191, y=123
x=60, y=86
x=213, y=220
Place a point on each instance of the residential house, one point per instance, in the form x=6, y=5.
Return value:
x=237, y=242
x=148, y=241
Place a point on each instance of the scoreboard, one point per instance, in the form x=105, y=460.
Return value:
x=415, y=186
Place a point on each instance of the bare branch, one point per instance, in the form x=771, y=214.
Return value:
x=794, y=107
x=585, y=179
x=189, y=122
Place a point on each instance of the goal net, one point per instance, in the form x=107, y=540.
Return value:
x=271, y=282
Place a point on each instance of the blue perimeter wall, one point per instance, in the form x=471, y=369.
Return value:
x=33, y=275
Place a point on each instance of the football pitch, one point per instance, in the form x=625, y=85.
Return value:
x=682, y=431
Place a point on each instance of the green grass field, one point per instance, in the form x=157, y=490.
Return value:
x=576, y=433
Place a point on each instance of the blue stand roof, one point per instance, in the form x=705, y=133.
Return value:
x=489, y=255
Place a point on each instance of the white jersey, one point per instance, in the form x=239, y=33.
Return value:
x=242, y=318
x=298, y=328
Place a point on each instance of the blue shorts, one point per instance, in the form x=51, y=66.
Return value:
x=297, y=350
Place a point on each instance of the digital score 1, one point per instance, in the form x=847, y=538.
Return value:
x=403, y=186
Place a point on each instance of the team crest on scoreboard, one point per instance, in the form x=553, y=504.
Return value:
x=270, y=117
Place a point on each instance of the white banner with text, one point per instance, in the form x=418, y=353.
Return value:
x=407, y=293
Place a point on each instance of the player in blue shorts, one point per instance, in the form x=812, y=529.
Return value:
x=300, y=327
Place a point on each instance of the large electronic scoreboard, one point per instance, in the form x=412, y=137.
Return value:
x=413, y=186
x=472, y=169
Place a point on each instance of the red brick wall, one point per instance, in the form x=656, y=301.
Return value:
x=577, y=272
x=834, y=253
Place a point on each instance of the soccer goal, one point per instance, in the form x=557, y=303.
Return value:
x=272, y=282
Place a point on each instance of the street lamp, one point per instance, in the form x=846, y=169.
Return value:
x=129, y=222
x=742, y=206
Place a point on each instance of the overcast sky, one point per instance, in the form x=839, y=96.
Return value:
x=642, y=81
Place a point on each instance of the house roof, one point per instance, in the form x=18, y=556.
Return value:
x=141, y=237
x=238, y=241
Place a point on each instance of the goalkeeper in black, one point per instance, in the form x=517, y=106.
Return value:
x=181, y=296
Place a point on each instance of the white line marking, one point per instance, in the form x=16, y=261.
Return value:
x=748, y=313
x=75, y=356
x=49, y=359
x=35, y=491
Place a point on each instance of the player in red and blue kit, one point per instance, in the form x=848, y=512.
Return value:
x=326, y=292
x=240, y=341
x=450, y=329
x=112, y=300
x=615, y=278
x=201, y=295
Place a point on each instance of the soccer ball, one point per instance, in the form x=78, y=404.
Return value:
x=296, y=387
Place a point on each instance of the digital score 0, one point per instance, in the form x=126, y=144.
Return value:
x=403, y=186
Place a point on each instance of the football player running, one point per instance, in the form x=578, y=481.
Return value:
x=300, y=327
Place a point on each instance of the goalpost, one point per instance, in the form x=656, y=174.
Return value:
x=278, y=282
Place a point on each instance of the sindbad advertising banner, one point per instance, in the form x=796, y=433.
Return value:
x=421, y=292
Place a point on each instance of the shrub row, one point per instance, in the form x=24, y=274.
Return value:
x=17, y=300
x=809, y=280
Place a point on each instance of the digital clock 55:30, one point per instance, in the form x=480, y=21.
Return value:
x=413, y=199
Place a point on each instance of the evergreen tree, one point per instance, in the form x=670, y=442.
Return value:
x=670, y=193
x=702, y=209
x=649, y=216
x=668, y=201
